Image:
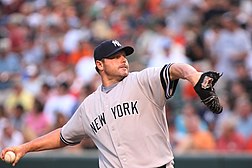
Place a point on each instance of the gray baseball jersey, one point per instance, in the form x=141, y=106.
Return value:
x=127, y=124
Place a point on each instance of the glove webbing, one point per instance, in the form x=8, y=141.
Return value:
x=213, y=103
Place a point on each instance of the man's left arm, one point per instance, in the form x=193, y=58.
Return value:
x=184, y=71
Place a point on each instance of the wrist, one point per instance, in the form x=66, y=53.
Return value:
x=26, y=147
x=193, y=78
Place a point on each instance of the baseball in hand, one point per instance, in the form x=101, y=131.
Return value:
x=9, y=157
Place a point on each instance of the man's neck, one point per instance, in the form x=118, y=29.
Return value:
x=109, y=88
x=110, y=82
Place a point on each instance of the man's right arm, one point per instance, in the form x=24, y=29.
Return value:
x=46, y=142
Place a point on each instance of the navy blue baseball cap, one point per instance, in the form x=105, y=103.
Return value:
x=110, y=47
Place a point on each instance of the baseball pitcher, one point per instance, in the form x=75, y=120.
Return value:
x=125, y=116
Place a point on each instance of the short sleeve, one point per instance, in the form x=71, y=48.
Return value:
x=155, y=82
x=73, y=131
x=168, y=85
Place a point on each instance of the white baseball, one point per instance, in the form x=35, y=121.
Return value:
x=9, y=157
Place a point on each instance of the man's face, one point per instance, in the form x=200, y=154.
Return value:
x=116, y=66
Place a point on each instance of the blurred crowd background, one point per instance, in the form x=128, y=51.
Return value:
x=47, y=66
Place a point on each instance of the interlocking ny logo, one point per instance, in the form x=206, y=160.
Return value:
x=207, y=82
x=116, y=43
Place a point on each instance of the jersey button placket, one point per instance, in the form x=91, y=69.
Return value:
x=124, y=161
x=113, y=131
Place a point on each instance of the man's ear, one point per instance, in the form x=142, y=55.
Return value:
x=99, y=65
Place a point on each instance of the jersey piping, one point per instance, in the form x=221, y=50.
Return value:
x=165, y=80
x=67, y=142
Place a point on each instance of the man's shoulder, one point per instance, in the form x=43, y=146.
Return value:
x=143, y=74
x=145, y=70
x=93, y=95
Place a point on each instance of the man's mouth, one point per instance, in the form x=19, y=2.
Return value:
x=123, y=66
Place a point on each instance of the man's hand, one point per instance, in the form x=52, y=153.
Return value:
x=205, y=89
x=18, y=150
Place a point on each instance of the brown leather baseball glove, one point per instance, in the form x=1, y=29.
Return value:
x=205, y=89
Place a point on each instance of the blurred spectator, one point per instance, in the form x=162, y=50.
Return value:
x=32, y=80
x=85, y=90
x=230, y=140
x=225, y=115
x=166, y=55
x=33, y=52
x=143, y=39
x=10, y=136
x=3, y=116
x=84, y=49
x=210, y=36
x=213, y=9
x=19, y=95
x=10, y=62
x=243, y=111
x=61, y=119
x=10, y=67
x=36, y=123
x=179, y=13
x=74, y=34
x=248, y=145
x=160, y=45
x=45, y=92
x=235, y=91
x=232, y=46
x=194, y=46
x=248, y=64
x=63, y=101
x=11, y=6
x=17, y=32
x=17, y=117
x=188, y=111
x=34, y=15
x=244, y=78
x=196, y=139
x=85, y=69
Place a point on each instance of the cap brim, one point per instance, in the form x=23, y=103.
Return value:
x=127, y=49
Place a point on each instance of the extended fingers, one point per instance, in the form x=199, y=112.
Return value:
x=16, y=160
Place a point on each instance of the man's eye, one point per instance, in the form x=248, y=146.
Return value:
x=117, y=56
x=112, y=57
